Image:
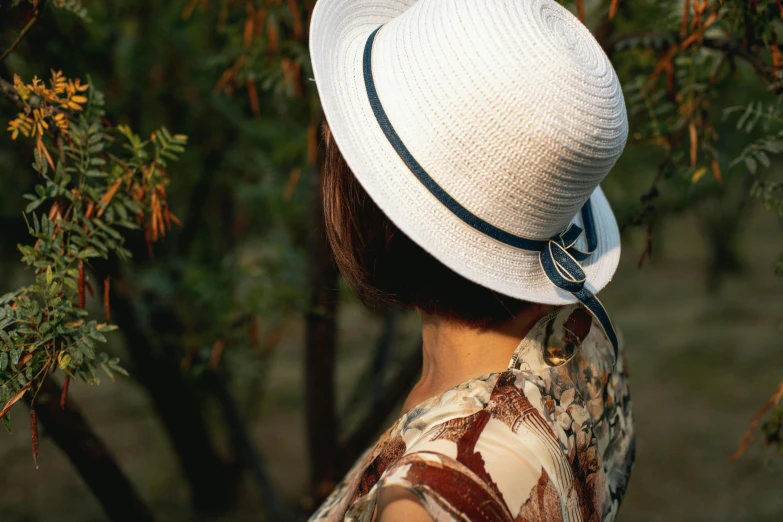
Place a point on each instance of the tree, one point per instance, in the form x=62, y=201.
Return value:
x=94, y=180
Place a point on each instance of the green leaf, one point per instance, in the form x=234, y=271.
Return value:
x=114, y=364
x=6, y=338
x=46, y=226
x=3, y=360
x=107, y=327
x=741, y=121
x=773, y=146
x=98, y=336
x=108, y=372
x=751, y=165
x=89, y=252
x=109, y=230
x=122, y=212
x=33, y=205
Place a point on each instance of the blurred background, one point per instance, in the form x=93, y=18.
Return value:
x=177, y=197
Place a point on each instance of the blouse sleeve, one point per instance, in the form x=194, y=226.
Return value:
x=451, y=490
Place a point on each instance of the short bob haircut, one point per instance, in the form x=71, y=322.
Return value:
x=387, y=269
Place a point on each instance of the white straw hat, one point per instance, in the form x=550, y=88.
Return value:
x=480, y=129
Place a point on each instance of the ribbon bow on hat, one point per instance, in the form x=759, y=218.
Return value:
x=560, y=261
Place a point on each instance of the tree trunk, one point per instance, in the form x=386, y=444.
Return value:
x=247, y=454
x=320, y=349
x=212, y=483
x=75, y=437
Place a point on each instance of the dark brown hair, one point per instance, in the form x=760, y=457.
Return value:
x=385, y=268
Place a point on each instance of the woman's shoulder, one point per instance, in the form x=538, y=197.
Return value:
x=537, y=449
x=487, y=464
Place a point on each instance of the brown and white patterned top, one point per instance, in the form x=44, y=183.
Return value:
x=545, y=440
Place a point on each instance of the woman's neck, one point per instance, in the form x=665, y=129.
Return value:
x=454, y=352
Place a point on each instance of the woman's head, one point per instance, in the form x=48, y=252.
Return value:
x=385, y=268
x=486, y=148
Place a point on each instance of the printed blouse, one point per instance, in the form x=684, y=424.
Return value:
x=549, y=439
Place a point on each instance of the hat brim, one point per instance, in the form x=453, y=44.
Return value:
x=338, y=34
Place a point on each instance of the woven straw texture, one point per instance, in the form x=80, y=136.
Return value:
x=510, y=105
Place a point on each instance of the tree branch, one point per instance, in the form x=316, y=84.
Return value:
x=731, y=48
x=249, y=455
x=96, y=465
x=151, y=345
x=723, y=45
x=321, y=349
x=195, y=216
x=9, y=91
x=23, y=32
x=358, y=441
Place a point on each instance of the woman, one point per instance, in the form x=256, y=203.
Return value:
x=466, y=143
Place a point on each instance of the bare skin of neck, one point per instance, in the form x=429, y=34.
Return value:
x=454, y=352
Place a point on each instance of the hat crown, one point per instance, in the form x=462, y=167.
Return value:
x=511, y=106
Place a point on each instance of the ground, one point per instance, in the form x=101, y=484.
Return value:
x=701, y=366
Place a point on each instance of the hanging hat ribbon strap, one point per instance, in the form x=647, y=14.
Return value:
x=559, y=256
x=560, y=262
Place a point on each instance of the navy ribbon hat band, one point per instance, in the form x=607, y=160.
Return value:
x=559, y=256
